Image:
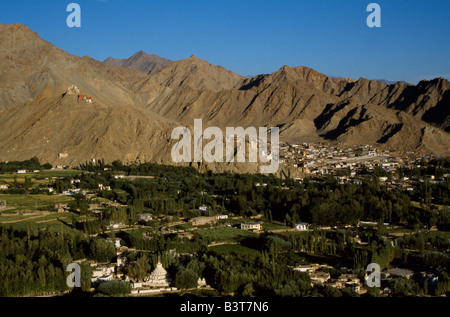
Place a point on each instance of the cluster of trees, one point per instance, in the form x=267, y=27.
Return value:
x=35, y=262
x=30, y=165
x=114, y=289
x=180, y=191
x=159, y=243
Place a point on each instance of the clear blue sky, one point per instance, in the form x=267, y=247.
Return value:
x=255, y=36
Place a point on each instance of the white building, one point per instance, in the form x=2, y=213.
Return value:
x=116, y=242
x=158, y=278
x=302, y=226
x=251, y=226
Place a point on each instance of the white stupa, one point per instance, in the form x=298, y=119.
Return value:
x=158, y=278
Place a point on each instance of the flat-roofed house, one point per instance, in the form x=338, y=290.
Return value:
x=254, y=226
x=302, y=226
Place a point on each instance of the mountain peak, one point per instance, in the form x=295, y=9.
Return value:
x=18, y=33
x=141, y=61
x=16, y=27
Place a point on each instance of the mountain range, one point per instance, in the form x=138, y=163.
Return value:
x=141, y=61
x=137, y=102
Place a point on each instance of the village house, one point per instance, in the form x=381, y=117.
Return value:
x=72, y=192
x=103, y=270
x=121, y=259
x=319, y=277
x=102, y=274
x=302, y=226
x=73, y=90
x=102, y=187
x=115, y=225
x=397, y=272
x=254, y=226
x=61, y=207
x=348, y=280
x=307, y=268
x=145, y=217
x=116, y=242
x=4, y=186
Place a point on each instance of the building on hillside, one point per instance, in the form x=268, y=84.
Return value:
x=319, y=277
x=103, y=273
x=254, y=226
x=4, y=186
x=302, y=226
x=115, y=241
x=73, y=90
x=121, y=259
x=201, y=283
x=145, y=217
x=397, y=272
x=61, y=207
x=307, y=268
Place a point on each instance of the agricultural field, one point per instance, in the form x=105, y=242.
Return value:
x=232, y=248
x=15, y=203
x=39, y=178
x=225, y=234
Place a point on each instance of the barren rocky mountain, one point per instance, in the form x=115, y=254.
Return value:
x=141, y=61
x=133, y=112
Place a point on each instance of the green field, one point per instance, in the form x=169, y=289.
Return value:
x=41, y=178
x=39, y=221
x=225, y=234
x=232, y=248
x=32, y=202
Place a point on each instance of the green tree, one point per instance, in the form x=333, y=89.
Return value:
x=140, y=270
x=186, y=279
x=115, y=288
x=86, y=275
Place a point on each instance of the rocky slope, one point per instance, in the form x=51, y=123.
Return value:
x=134, y=113
x=141, y=61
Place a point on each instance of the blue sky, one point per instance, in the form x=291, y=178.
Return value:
x=253, y=37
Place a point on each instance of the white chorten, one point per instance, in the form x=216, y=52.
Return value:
x=159, y=277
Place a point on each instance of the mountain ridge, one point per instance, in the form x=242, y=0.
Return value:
x=141, y=61
x=133, y=112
